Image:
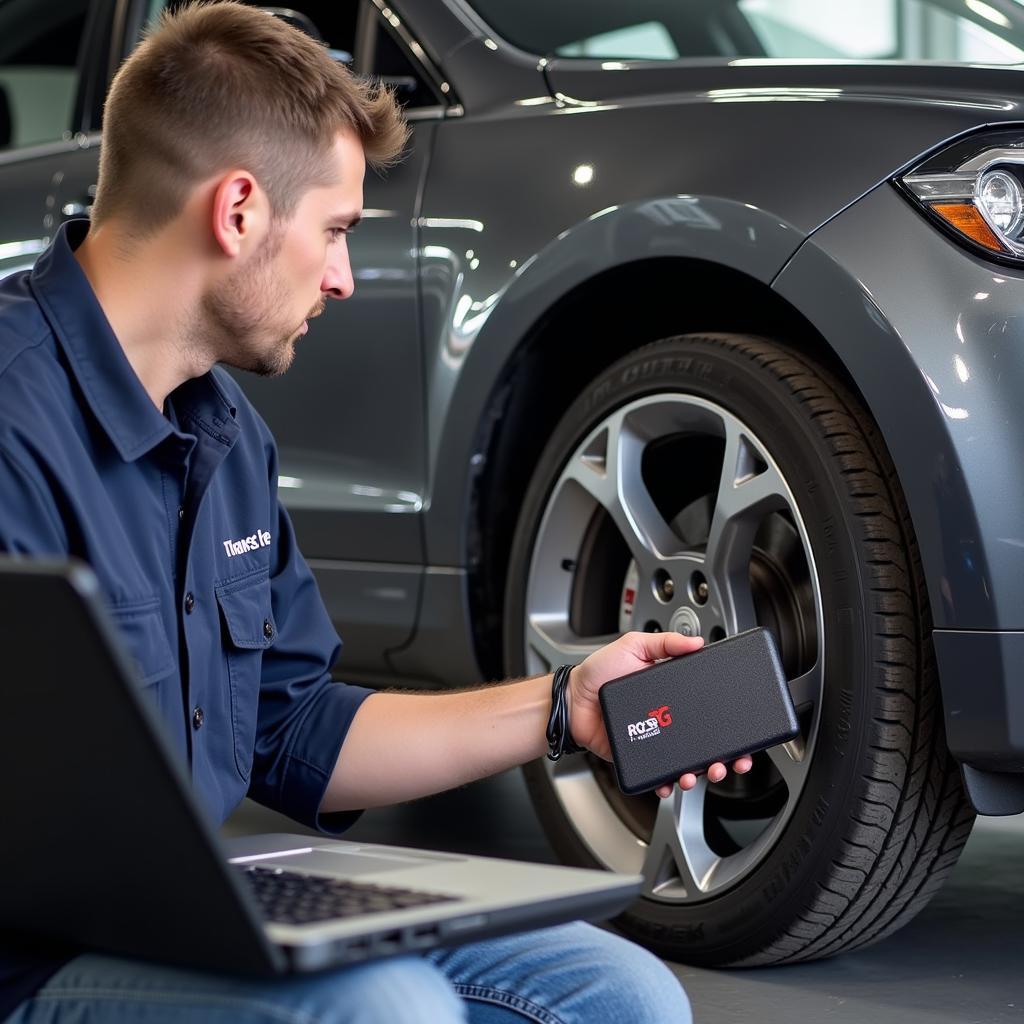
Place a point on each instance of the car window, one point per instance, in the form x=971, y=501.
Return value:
x=39, y=43
x=649, y=40
x=950, y=31
x=392, y=63
x=355, y=33
x=884, y=29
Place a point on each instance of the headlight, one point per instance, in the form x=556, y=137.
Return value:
x=1001, y=199
x=975, y=190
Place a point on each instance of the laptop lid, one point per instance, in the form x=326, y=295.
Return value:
x=86, y=774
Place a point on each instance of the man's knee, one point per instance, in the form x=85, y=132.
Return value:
x=634, y=984
x=406, y=990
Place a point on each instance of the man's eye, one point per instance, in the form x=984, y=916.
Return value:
x=336, y=233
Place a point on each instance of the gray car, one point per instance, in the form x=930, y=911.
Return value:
x=678, y=315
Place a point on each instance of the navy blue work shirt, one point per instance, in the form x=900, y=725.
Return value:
x=178, y=516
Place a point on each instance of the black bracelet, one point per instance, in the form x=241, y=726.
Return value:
x=560, y=739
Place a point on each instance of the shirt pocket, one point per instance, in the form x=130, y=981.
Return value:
x=141, y=627
x=249, y=629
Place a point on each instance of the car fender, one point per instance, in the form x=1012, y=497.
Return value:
x=481, y=334
x=932, y=337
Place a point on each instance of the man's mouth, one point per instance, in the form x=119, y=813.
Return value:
x=315, y=311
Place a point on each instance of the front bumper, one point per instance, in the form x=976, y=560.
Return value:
x=982, y=678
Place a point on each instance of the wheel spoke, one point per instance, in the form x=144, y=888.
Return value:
x=790, y=762
x=678, y=857
x=608, y=468
x=806, y=689
x=608, y=839
x=749, y=488
x=551, y=640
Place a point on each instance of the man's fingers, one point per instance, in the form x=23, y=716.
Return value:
x=715, y=773
x=656, y=646
x=664, y=791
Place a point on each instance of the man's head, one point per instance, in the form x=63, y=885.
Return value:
x=244, y=129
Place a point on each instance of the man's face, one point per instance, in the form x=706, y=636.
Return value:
x=258, y=313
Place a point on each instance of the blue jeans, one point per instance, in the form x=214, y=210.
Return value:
x=572, y=974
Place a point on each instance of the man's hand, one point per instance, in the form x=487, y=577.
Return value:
x=629, y=653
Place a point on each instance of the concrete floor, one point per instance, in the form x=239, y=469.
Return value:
x=961, y=961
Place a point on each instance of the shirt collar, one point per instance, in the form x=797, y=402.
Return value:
x=111, y=387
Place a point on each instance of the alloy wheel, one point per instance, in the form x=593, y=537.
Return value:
x=672, y=514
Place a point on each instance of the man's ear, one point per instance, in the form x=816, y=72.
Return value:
x=241, y=213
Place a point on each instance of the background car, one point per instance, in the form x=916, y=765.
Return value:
x=677, y=315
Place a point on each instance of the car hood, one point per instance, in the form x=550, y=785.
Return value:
x=803, y=140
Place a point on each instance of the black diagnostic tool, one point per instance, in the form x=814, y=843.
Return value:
x=728, y=699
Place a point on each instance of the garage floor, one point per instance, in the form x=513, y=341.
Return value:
x=961, y=961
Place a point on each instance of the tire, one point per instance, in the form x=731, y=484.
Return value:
x=831, y=842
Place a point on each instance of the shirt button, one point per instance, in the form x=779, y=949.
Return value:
x=190, y=603
x=197, y=718
x=268, y=629
x=181, y=511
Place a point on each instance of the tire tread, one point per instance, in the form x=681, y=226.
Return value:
x=912, y=777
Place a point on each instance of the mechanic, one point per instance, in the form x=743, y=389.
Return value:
x=231, y=172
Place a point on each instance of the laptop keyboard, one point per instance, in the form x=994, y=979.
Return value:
x=287, y=897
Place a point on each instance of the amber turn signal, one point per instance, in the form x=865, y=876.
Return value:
x=966, y=217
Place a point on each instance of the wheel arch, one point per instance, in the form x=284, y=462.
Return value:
x=544, y=374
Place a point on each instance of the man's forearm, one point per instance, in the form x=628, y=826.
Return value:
x=405, y=745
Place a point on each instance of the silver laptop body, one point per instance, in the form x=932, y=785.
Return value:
x=104, y=846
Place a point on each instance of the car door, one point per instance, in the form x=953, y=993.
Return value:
x=47, y=53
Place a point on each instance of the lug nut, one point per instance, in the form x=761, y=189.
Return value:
x=663, y=586
x=698, y=588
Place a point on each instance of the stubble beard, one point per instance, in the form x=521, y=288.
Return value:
x=236, y=321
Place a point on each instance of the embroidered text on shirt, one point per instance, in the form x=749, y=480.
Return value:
x=260, y=539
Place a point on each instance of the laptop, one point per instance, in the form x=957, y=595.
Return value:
x=104, y=846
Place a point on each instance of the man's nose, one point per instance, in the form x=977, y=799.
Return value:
x=337, y=282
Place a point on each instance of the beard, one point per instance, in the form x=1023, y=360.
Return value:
x=239, y=321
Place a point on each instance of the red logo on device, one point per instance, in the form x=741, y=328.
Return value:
x=661, y=715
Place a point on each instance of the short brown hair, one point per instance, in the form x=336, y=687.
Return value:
x=217, y=85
